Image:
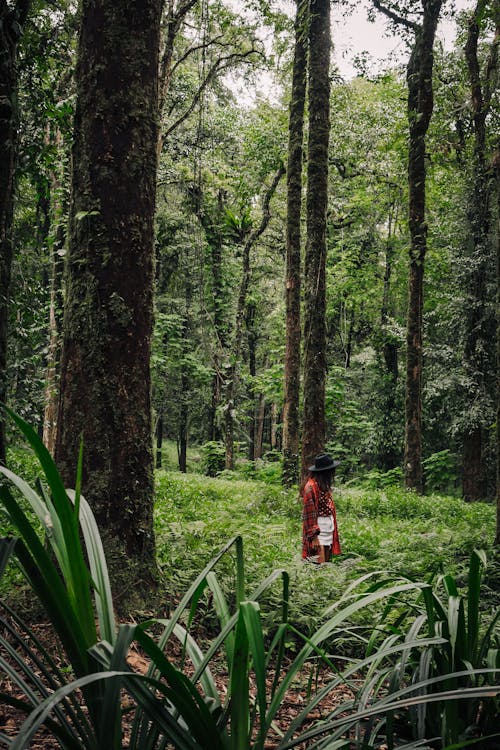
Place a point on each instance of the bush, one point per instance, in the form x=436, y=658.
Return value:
x=213, y=458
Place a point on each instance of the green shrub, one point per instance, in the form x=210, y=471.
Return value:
x=440, y=471
x=213, y=457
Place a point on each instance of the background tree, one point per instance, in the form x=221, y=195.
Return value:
x=12, y=19
x=420, y=105
x=479, y=254
x=313, y=431
x=105, y=379
x=291, y=411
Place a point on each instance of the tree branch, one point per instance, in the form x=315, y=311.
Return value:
x=222, y=64
x=400, y=20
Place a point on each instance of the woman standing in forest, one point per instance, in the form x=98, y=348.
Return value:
x=320, y=537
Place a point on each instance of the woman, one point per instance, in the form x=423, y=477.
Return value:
x=320, y=537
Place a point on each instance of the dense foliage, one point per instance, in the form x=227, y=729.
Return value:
x=426, y=653
x=220, y=149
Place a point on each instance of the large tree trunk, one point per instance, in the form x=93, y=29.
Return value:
x=313, y=439
x=420, y=106
x=105, y=377
x=11, y=20
x=497, y=240
x=291, y=411
x=478, y=362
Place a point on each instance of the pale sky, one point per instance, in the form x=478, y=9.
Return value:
x=351, y=36
x=356, y=34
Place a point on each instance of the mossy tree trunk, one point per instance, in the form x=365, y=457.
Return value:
x=291, y=410
x=390, y=456
x=420, y=106
x=313, y=437
x=497, y=239
x=478, y=357
x=12, y=18
x=105, y=377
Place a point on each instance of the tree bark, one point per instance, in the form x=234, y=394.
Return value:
x=291, y=406
x=252, y=371
x=420, y=106
x=105, y=376
x=313, y=439
x=185, y=381
x=496, y=163
x=389, y=457
x=478, y=315
x=260, y=412
x=159, y=440
x=11, y=21
x=57, y=240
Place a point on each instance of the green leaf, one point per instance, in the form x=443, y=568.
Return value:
x=240, y=688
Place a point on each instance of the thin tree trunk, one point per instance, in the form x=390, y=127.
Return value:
x=314, y=426
x=259, y=425
x=291, y=407
x=57, y=242
x=105, y=375
x=274, y=426
x=185, y=382
x=252, y=371
x=232, y=375
x=183, y=424
x=420, y=106
x=389, y=456
x=159, y=440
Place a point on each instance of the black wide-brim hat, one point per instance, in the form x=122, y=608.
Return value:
x=324, y=462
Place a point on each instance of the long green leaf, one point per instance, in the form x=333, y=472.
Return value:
x=182, y=737
x=251, y=618
x=191, y=591
x=382, y=706
x=222, y=610
x=78, y=578
x=326, y=630
x=240, y=688
x=46, y=583
x=183, y=695
x=47, y=517
x=477, y=562
x=98, y=569
x=352, y=670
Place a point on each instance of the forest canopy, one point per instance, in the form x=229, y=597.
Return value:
x=169, y=247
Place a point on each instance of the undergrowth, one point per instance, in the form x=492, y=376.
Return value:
x=393, y=530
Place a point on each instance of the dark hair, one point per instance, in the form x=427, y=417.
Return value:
x=324, y=479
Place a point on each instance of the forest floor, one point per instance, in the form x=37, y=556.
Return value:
x=306, y=682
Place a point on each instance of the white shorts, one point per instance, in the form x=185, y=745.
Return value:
x=326, y=527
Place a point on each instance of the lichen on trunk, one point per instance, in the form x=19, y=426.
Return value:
x=105, y=378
